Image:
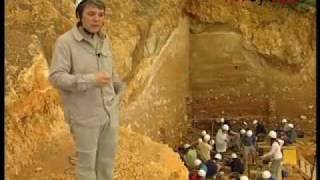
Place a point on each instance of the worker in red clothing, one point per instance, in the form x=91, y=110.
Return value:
x=198, y=175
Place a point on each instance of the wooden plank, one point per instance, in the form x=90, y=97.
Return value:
x=302, y=164
x=314, y=173
x=308, y=169
x=301, y=172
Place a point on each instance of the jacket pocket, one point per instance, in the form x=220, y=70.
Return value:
x=83, y=104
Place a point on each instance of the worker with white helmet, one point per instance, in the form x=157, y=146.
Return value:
x=235, y=164
x=203, y=132
x=275, y=154
x=200, y=165
x=227, y=122
x=225, y=128
x=215, y=164
x=290, y=134
x=198, y=175
x=286, y=126
x=204, y=148
x=186, y=146
x=290, y=125
x=284, y=121
x=266, y=175
x=218, y=124
x=245, y=123
x=211, y=142
x=222, y=139
x=242, y=131
x=189, y=156
x=213, y=167
x=197, y=162
x=218, y=157
x=243, y=177
x=283, y=125
x=260, y=130
x=249, y=147
x=222, y=121
x=82, y=69
x=206, y=138
x=242, y=136
x=234, y=140
x=202, y=173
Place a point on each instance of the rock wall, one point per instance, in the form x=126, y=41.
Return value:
x=147, y=159
x=138, y=29
x=159, y=111
x=32, y=111
x=262, y=61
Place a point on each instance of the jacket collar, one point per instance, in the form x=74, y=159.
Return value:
x=78, y=36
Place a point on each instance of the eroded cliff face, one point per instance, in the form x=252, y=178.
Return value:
x=255, y=61
x=159, y=89
x=32, y=111
x=138, y=29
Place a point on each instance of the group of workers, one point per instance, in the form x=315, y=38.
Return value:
x=234, y=148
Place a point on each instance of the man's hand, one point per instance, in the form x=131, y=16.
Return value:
x=102, y=78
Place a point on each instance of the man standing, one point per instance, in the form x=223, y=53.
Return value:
x=276, y=155
x=222, y=139
x=204, y=149
x=260, y=130
x=82, y=69
x=235, y=164
x=249, y=147
x=291, y=134
x=190, y=156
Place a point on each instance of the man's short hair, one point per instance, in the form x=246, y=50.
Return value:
x=79, y=9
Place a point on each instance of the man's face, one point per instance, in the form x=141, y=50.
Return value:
x=92, y=18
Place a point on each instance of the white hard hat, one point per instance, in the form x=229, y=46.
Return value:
x=212, y=142
x=222, y=120
x=218, y=156
x=244, y=178
x=245, y=123
x=186, y=146
x=290, y=125
x=197, y=162
x=255, y=121
x=266, y=174
x=202, y=173
x=78, y=2
x=272, y=134
x=203, y=132
x=199, y=140
x=225, y=127
x=284, y=120
x=234, y=155
x=206, y=138
x=242, y=131
x=249, y=133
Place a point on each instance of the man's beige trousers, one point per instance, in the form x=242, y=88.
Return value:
x=96, y=150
